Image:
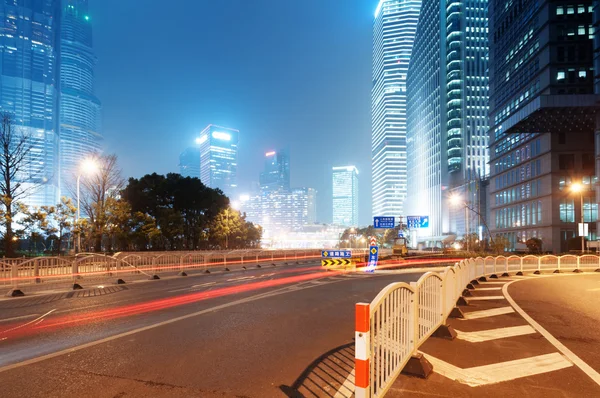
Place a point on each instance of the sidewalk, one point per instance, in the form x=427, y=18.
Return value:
x=496, y=354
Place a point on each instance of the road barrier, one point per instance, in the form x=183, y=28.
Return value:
x=43, y=273
x=390, y=330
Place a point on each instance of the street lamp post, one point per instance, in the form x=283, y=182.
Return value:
x=457, y=200
x=578, y=188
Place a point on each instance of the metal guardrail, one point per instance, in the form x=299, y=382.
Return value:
x=391, y=328
x=43, y=273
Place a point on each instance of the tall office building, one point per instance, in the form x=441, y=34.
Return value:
x=277, y=171
x=345, y=196
x=447, y=90
x=29, y=89
x=542, y=114
x=218, y=158
x=393, y=35
x=80, y=134
x=312, y=205
x=189, y=162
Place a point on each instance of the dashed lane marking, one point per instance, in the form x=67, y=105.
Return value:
x=501, y=371
x=194, y=287
x=16, y=318
x=494, y=334
x=487, y=313
x=593, y=290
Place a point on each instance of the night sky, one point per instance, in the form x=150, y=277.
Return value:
x=283, y=72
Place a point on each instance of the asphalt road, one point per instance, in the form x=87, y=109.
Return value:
x=568, y=307
x=252, y=333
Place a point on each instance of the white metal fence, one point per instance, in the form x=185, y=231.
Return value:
x=403, y=316
x=43, y=273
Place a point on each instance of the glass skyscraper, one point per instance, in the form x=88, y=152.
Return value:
x=447, y=112
x=189, y=162
x=345, y=196
x=277, y=171
x=29, y=42
x=393, y=35
x=79, y=108
x=218, y=158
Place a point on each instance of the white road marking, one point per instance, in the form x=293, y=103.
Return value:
x=587, y=369
x=485, y=298
x=28, y=323
x=287, y=289
x=486, y=313
x=488, y=288
x=593, y=290
x=241, y=278
x=193, y=287
x=501, y=371
x=494, y=334
x=495, y=282
x=18, y=317
x=347, y=388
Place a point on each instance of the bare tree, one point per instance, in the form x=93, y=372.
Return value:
x=96, y=192
x=16, y=181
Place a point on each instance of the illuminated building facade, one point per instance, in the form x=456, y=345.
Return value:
x=189, y=162
x=218, y=158
x=276, y=175
x=345, y=196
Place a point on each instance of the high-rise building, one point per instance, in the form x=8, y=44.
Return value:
x=189, y=162
x=218, y=158
x=277, y=171
x=542, y=115
x=29, y=90
x=447, y=106
x=80, y=119
x=393, y=35
x=345, y=196
x=312, y=205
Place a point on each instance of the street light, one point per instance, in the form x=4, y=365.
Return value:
x=456, y=200
x=578, y=188
x=89, y=166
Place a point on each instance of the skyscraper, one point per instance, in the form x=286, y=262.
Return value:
x=542, y=115
x=312, y=205
x=277, y=171
x=218, y=158
x=189, y=162
x=29, y=89
x=447, y=107
x=79, y=108
x=345, y=196
x=393, y=35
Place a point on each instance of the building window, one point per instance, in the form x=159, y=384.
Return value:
x=567, y=210
x=590, y=210
x=570, y=10
x=560, y=10
x=581, y=9
x=564, y=182
x=587, y=160
x=581, y=30
x=560, y=75
x=566, y=162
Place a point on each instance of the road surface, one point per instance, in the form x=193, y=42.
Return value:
x=251, y=333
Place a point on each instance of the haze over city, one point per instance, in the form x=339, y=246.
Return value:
x=281, y=74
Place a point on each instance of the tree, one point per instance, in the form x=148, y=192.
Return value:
x=534, y=245
x=34, y=222
x=501, y=243
x=16, y=168
x=225, y=228
x=96, y=194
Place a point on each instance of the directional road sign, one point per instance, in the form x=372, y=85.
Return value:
x=373, y=241
x=373, y=256
x=336, y=253
x=415, y=222
x=340, y=261
x=384, y=222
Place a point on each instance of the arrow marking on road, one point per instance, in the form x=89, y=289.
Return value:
x=487, y=313
x=494, y=334
x=502, y=371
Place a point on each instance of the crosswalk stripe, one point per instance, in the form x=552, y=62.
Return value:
x=501, y=371
x=494, y=334
x=477, y=298
x=487, y=313
x=488, y=288
x=347, y=389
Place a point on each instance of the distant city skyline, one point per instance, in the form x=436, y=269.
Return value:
x=344, y=180
x=219, y=158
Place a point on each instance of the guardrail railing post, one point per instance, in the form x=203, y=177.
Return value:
x=415, y=319
x=362, y=351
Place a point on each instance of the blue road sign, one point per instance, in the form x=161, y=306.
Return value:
x=384, y=222
x=373, y=256
x=336, y=253
x=400, y=234
x=415, y=222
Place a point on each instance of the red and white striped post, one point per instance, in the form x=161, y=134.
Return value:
x=362, y=350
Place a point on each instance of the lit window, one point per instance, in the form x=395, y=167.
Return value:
x=580, y=9
x=582, y=74
x=581, y=30
x=570, y=10
x=560, y=75
x=567, y=210
x=560, y=10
